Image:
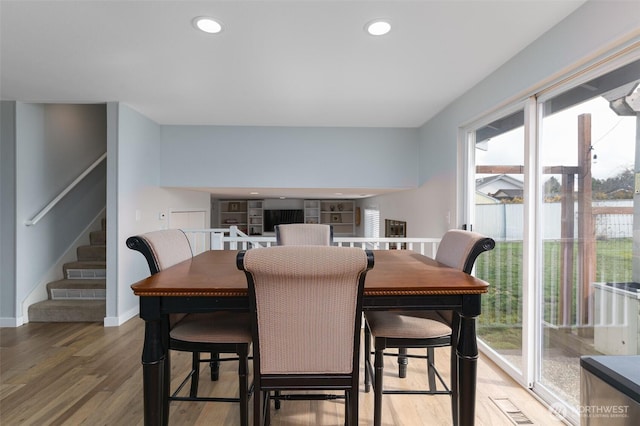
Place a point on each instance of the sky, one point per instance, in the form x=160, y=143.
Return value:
x=613, y=139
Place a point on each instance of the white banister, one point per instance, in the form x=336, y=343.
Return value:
x=68, y=189
x=233, y=239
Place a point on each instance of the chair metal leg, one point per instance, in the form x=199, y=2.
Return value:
x=353, y=406
x=257, y=405
x=214, y=365
x=267, y=409
x=367, y=358
x=403, y=361
x=166, y=387
x=195, y=376
x=276, y=400
x=377, y=386
x=243, y=369
x=431, y=369
x=347, y=408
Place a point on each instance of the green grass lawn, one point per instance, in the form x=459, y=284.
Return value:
x=501, y=320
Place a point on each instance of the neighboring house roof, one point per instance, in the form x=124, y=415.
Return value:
x=492, y=184
x=508, y=193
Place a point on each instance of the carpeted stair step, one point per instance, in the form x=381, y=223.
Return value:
x=94, y=269
x=68, y=310
x=77, y=289
x=98, y=237
x=92, y=252
x=81, y=295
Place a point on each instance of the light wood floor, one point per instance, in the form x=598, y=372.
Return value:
x=83, y=373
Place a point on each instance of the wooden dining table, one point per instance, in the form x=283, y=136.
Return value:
x=400, y=279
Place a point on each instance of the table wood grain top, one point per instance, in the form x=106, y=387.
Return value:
x=395, y=272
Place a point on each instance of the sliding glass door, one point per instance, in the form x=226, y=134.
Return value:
x=588, y=143
x=499, y=198
x=556, y=184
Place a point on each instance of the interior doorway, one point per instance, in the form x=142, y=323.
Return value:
x=191, y=219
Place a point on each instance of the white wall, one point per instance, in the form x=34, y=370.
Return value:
x=286, y=157
x=425, y=215
x=593, y=31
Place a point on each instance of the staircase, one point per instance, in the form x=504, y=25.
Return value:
x=81, y=295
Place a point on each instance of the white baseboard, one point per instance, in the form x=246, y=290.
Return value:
x=119, y=320
x=11, y=322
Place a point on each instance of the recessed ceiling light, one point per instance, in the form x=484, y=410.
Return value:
x=378, y=27
x=208, y=25
x=254, y=193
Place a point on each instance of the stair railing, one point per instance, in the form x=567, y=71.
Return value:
x=65, y=191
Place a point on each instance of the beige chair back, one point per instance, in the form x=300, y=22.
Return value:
x=459, y=249
x=307, y=302
x=162, y=249
x=299, y=234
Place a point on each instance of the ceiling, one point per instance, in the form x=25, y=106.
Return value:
x=276, y=63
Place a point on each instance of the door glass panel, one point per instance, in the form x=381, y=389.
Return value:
x=588, y=159
x=499, y=198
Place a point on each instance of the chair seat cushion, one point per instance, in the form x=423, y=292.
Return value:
x=405, y=325
x=215, y=327
x=440, y=316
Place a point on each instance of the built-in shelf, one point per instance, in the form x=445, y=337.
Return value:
x=340, y=214
x=233, y=213
x=255, y=213
x=311, y=211
x=248, y=215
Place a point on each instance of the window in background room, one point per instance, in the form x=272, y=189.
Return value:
x=371, y=223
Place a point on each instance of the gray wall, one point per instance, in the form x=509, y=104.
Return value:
x=286, y=157
x=8, y=210
x=134, y=160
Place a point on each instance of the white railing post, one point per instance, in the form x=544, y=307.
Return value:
x=233, y=233
x=216, y=241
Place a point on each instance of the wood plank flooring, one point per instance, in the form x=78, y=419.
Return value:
x=86, y=374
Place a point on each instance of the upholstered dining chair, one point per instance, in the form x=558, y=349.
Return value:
x=217, y=332
x=420, y=329
x=306, y=303
x=299, y=234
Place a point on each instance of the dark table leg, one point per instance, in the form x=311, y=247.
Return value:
x=455, y=335
x=154, y=367
x=467, y=354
